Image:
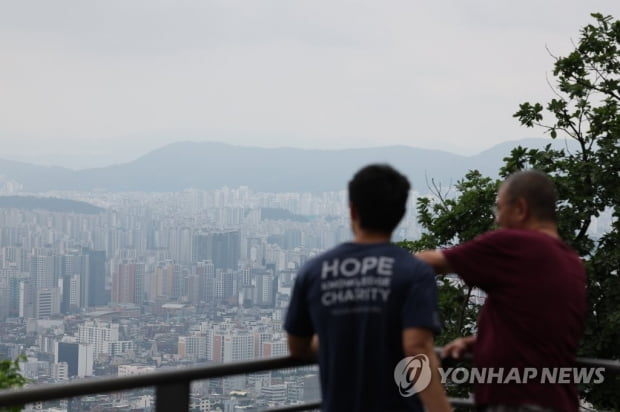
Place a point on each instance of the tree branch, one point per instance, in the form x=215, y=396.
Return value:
x=463, y=309
x=436, y=190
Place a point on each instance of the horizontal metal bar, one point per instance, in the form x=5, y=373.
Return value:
x=292, y=408
x=456, y=402
x=161, y=377
x=610, y=365
x=116, y=384
x=461, y=402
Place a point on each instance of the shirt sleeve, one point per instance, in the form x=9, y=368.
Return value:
x=421, y=308
x=479, y=261
x=298, y=321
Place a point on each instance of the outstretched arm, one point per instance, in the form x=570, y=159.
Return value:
x=436, y=259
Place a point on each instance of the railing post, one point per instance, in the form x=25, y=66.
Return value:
x=172, y=397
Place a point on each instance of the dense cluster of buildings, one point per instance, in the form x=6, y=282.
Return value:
x=165, y=280
x=162, y=280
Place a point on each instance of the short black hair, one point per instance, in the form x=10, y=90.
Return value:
x=537, y=189
x=379, y=194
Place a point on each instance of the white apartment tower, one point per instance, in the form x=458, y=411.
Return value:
x=98, y=334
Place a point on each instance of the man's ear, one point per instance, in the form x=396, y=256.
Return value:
x=353, y=212
x=521, y=209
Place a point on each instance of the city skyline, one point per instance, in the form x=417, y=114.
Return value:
x=167, y=280
x=156, y=280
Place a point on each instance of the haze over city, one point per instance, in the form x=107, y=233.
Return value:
x=96, y=83
x=201, y=154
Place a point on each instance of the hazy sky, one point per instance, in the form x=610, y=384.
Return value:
x=119, y=78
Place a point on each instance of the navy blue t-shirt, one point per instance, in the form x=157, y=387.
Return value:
x=358, y=298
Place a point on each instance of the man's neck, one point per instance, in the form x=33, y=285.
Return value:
x=363, y=236
x=548, y=228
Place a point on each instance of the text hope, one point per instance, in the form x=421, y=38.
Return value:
x=381, y=265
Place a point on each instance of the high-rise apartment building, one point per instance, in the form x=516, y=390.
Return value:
x=71, y=296
x=275, y=348
x=98, y=334
x=26, y=299
x=265, y=287
x=226, y=343
x=98, y=295
x=59, y=371
x=222, y=248
x=206, y=280
x=226, y=249
x=46, y=302
x=200, y=247
x=78, y=356
x=164, y=279
x=128, y=283
x=225, y=285
x=4, y=296
x=42, y=271
x=193, y=347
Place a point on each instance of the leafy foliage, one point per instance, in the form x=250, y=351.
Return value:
x=11, y=378
x=448, y=221
x=587, y=109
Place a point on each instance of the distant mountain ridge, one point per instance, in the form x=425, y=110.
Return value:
x=51, y=204
x=208, y=165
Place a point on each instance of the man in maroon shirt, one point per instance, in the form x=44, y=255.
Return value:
x=534, y=313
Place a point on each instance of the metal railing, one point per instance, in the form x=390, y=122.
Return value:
x=172, y=386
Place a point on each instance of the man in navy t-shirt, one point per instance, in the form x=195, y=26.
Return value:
x=533, y=317
x=364, y=306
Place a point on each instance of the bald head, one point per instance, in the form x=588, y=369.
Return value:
x=538, y=191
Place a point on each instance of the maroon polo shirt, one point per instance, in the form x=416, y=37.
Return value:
x=534, y=313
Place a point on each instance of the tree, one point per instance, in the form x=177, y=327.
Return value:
x=447, y=221
x=11, y=378
x=586, y=109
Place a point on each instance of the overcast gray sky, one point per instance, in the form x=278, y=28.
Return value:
x=121, y=77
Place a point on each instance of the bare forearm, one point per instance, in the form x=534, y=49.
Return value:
x=420, y=341
x=470, y=341
x=434, y=396
x=302, y=347
x=314, y=346
x=436, y=259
